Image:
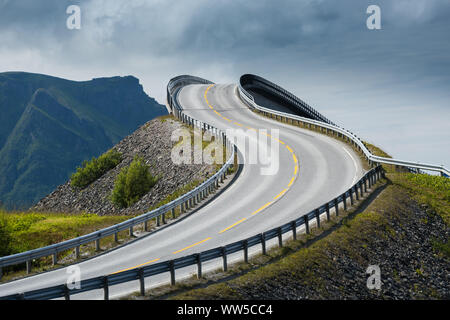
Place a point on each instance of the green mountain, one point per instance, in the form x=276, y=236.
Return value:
x=48, y=126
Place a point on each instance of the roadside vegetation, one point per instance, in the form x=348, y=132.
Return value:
x=132, y=183
x=23, y=231
x=95, y=168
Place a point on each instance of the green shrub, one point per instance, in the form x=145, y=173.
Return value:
x=132, y=183
x=94, y=169
x=5, y=237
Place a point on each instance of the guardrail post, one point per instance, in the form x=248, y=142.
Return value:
x=142, y=281
x=294, y=230
x=173, y=213
x=306, y=219
x=1, y=273
x=66, y=292
x=77, y=252
x=116, y=237
x=199, y=265
x=54, y=259
x=172, y=272
x=280, y=238
x=28, y=264
x=318, y=218
x=361, y=189
x=336, y=206
x=327, y=209
x=158, y=221
x=224, y=258
x=344, y=200
x=131, y=231
x=105, y=288
x=365, y=184
x=263, y=243
x=245, y=251
x=163, y=217
x=146, y=225
x=97, y=245
x=351, y=196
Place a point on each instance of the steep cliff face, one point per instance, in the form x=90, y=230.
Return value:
x=48, y=126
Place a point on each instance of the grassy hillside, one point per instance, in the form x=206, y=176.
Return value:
x=50, y=125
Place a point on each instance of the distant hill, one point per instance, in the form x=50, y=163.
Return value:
x=48, y=126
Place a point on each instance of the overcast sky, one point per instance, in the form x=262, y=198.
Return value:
x=389, y=86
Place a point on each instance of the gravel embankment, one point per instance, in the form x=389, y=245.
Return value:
x=152, y=142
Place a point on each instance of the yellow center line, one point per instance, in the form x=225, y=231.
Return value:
x=291, y=182
x=192, y=245
x=268, y=135
x=263, y=207
x=280, y=194
x=137, y=266
x=233, y=225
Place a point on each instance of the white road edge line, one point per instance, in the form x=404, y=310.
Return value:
x=354, y=163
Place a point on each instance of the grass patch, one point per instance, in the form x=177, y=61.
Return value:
x=27, y=231
x=23, y=231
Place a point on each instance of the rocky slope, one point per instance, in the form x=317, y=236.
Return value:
x=152, y=142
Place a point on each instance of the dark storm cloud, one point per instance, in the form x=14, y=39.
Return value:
x=319, y=49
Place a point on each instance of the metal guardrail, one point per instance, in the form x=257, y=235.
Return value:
x=314, y=217
x=251, y=80
x=185, y=201
x=249, y=100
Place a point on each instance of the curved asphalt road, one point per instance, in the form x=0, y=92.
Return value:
x=252, y=204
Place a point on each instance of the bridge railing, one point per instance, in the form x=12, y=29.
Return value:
x=328, y=127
